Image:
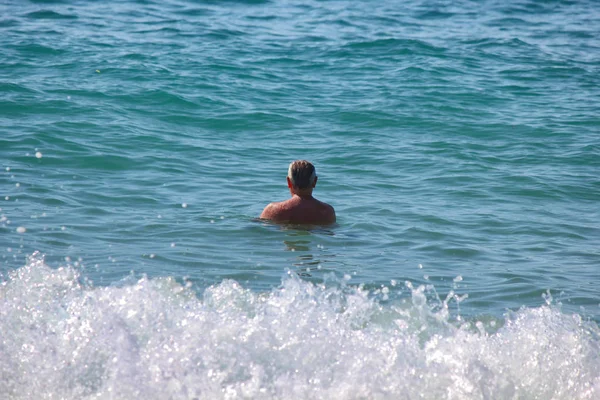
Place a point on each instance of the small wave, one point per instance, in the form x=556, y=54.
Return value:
x=48, y=14
x=8, y=23
x=394, y=43
x=36, y=49
x=48, y=1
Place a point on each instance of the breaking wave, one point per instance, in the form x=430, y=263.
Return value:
x=63, y=337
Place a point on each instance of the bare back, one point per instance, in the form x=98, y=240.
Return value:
x=300, y=210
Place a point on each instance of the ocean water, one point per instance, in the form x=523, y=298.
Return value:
x=459, y=142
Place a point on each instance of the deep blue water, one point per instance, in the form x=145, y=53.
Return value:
x=459, y=143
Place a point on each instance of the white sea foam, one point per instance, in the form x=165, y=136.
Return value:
x=157, y=339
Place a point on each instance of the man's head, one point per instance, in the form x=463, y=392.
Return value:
x=301, y=176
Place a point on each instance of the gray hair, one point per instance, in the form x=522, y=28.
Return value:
x=302, y=174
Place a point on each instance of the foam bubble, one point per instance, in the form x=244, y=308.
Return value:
x=156, y=338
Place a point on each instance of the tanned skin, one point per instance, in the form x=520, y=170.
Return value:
x=302, y=208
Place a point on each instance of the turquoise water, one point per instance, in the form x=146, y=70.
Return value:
x=459, y=143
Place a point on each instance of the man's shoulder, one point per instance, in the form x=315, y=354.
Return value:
x=327, y=206
x=272, y=210
x=268, y=211
x=330, y=211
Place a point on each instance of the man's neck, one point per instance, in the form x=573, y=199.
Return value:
x=304, y=195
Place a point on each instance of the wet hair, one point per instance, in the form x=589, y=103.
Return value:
x=302, y=174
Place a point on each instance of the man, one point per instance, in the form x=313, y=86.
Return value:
x=302, y=208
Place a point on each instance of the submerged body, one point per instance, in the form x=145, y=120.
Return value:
x=302, y=208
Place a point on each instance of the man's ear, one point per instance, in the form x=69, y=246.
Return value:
x=315, y=182
x=289, y=181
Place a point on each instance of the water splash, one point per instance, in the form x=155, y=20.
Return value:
x=156, y=338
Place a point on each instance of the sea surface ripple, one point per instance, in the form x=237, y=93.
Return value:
x=459, y=142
